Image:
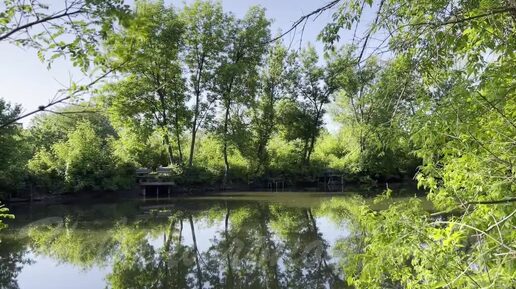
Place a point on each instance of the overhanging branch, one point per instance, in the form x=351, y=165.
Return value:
x=304, y=18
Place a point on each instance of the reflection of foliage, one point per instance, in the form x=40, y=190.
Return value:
x=135, y=265
x=247, y=254
x=12, y=259
x=138, y=264
x=306, y=259
x=257, y=246
x=68, y=243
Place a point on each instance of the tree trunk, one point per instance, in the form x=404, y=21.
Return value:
x=194, y=134
x=229, y=277
x=225, y=146
x=179, y=149
x=313, y=136
x=196, y=252
x=170, y=150
x=196, y=109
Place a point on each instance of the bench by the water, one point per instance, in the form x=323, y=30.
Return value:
x=148, y=179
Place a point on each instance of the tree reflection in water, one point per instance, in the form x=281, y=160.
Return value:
x=255, y=245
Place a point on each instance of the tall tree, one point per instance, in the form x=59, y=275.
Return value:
x=150, y=96
x=375, y=104
x=236, y=77
x=310, y=91
x=272, y=89
x=204, y=43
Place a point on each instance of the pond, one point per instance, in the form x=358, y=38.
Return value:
x=232, y=240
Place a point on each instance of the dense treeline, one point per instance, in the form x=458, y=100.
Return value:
x=209, y=95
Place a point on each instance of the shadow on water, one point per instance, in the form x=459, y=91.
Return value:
x=235, y=240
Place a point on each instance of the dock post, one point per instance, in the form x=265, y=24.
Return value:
x=144, y=190
x=168, y=191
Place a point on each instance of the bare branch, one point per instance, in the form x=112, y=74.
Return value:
x=40, y=21
x=60, y=100
x=304, y=18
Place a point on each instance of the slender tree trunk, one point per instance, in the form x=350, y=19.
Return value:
x=179, y=240
x=225, y=145
x=311, y=146
x=194, y=135
x=179, y=148
x=305, y=152
x=170, y=150
x=265, y=135
x=196, y=252
x=229, y=277
x=164, y=126
x=196, y=109
x=271, y=258
x=313, y=136
x=180, y=231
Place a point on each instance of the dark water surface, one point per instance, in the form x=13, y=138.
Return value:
x=235, y=240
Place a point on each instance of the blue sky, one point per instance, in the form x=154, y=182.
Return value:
x=27, y=81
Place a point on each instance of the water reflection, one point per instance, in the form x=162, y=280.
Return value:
x=208, y=243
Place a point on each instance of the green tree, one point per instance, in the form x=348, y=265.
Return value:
x=150, y=96
x=237, y=72
x=49, y=128
x=204, y=43
x=375, y=104
x=272, y=90
x=310, y=92
x=15, y=151
x=83, y=161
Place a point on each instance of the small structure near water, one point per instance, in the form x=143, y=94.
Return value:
x=331, y=181
x=151, y=181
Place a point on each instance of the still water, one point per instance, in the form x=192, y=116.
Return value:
x=235, y=240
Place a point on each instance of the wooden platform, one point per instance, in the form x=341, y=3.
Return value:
x=146, y=186
x=157, y=183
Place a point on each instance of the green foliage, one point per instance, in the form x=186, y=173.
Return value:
x=151, y=95
x=209, y=166
x=71, y=29
x=204, y=44
x=425, y=253
x=4, y=214
x=264, y=108
x=49, y=128
x=462, y=128
x=139, y=151
x=374, y=106
x=83, y=161
x=236, y=77
x=15, y=151
x=309, y=93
